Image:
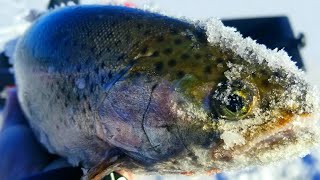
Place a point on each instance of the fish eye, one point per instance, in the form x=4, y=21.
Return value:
x=234, y=100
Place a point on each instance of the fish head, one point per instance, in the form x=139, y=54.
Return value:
x=235, y=102
x=264, y=115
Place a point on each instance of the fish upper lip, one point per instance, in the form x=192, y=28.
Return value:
x=283, y=129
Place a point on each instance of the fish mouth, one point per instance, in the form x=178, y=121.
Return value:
x=287, y=137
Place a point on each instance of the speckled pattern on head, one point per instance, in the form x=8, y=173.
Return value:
x=119, y=88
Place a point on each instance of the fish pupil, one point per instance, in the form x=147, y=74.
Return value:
x=235, y=103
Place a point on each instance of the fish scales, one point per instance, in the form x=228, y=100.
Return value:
x=99, y=82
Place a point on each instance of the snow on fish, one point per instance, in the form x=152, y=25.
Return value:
x=115, y=88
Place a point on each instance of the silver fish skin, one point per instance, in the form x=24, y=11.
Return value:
x=118, y=88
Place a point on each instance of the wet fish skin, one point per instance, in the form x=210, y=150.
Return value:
x=102, y=81
x=76, y=58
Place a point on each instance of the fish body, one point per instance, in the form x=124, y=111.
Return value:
x=118, y=88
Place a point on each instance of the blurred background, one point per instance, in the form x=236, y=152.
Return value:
x=302, y=17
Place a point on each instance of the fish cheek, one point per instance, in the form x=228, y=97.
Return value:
x=160, y=122
x=131, y=117
x=120, y=116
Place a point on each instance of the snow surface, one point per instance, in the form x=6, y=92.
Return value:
x=12, y=24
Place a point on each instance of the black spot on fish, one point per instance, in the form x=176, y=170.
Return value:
x=265, y=83
x=63, y=89
x=155, y=54
x=184, y=56
x=172, y=62
x=117, y=42
x=121, y=57
x=92, y=49
x=167, y=51
x=110, y=75
x=102, y=80
x=197, y=56
x=57, y=127
x=177, y=41
x=96, y=70
x=65, y=104
x=99, y=53
x=87, y=61
x=102, y=65
x=139, y=26
x=89, y=107
x=92, y=88
x=147, y=32
x=87, y=77
x=160, y=39
x=264, y=72
x=113, y=23
x=219, y=60
x=207, y=70
x=91, y=126
x=78, y=98
x=158, y=66
x=68, y=96
x=109, y=34
x=180, y=74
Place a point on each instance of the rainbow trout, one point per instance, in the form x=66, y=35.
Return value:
x=114, y=88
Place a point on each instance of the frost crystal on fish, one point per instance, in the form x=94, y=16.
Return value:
x=298, y=95
x=229, y=39
x=232, y=138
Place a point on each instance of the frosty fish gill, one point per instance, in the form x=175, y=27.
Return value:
x=118, y=88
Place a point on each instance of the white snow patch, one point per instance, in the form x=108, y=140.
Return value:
x=232, y=138
x=228, y=38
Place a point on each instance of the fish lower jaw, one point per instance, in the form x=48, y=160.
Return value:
x=293, y=140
